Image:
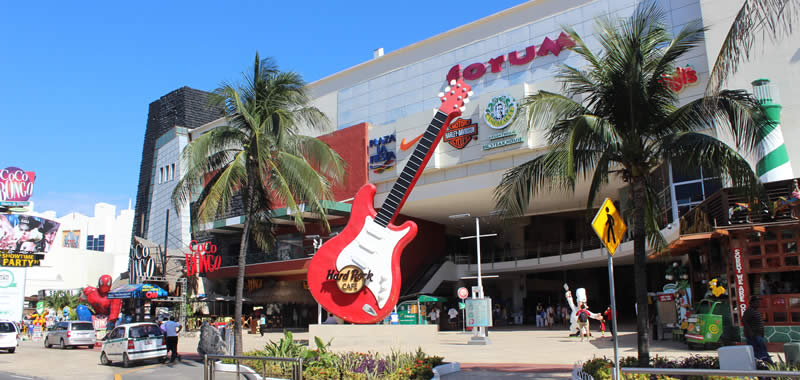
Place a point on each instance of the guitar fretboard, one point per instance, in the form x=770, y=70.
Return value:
x=405, y=182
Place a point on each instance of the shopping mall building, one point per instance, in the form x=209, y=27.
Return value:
x=381, y=106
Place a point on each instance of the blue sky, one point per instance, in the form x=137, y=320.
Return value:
x=77, y=77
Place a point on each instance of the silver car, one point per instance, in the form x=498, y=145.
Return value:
x=71, y=334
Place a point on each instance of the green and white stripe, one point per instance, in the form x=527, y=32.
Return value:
x=773, y=159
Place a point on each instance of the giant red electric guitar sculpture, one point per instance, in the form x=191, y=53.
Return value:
x=356, y=274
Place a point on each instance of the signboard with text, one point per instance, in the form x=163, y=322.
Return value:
x=16, y=186
x=479, y=312
x=12, y=282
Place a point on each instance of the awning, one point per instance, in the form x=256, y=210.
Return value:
x=427, y=298
x=282, y=215
x=137, y=291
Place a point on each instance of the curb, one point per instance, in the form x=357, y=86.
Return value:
x=445, y=369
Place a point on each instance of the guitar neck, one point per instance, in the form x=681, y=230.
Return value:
x=413, y=169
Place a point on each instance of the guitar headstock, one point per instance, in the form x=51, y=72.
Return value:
x=455, y=96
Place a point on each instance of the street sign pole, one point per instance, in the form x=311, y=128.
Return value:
x=615, y=332
x=610, y=228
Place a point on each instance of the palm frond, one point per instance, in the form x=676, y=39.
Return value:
x=764, y=19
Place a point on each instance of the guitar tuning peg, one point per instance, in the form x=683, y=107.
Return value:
x=440, y=94
x=466, y=100
x=462, y=109
x=447, y=89
x=452, y=82
x=470, y=93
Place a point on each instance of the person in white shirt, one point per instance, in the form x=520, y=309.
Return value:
x=171, y=329
x=453, y=314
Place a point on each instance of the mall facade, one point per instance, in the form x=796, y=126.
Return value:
x=381, y=106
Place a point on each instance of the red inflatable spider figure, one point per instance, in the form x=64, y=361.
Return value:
x=98, y=298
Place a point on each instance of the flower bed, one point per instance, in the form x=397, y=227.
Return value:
x=600, y=368
x=322, y=364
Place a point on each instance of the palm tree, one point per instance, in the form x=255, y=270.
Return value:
x=261, y=156
x=60, y=298
x=756, y=20
x=618, y=118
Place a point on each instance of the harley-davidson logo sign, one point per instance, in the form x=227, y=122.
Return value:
x=460, y=132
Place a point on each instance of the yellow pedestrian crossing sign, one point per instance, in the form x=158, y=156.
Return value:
x=609, y=226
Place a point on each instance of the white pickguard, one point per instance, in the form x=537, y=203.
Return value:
x=372, y=251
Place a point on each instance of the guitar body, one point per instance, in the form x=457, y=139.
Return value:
x=372, y=248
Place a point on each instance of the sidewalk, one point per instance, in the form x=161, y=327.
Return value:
x=508, y=347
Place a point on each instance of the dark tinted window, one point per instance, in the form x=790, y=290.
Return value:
x=7, y=327
x=143, y=331
x=82, y=327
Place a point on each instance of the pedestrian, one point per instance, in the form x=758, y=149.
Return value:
x=607, y=316
x=539, y=319
x=453, y=314
x=602, y=327
x=262, y=324
x=753, y=324
x=172, y=328
x=433, y=315
x=550, y=316
x=583, y=322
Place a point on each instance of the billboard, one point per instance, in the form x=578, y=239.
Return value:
x=16, y=185
x=21, y=233
x=12, y=284
x=72, y=239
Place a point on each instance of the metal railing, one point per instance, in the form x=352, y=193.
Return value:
x=539, y=251
x=709, y=372
x=291, y=367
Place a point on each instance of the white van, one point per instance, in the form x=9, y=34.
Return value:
x=9, y=336
x=134, y=342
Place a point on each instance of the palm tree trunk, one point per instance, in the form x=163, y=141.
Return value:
x=640, y=271
x=237, y=314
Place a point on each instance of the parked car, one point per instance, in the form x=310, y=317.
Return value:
x=9, y=336
x=134, y=342
x=71, y=334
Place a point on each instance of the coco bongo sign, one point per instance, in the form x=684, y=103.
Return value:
x=741, y=284
x=202, y=259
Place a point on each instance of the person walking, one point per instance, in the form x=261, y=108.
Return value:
x=262, y=324
x=539, y=319
x=753, y=324
x=607, y=316
x=583, y=322
x=172, y=328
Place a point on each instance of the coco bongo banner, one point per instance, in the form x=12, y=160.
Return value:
x=16, y=186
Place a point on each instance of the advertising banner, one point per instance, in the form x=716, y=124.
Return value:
x=21, y=233
x=72, y=239
x=479, y=312
x=12, y=284
x=16, y=185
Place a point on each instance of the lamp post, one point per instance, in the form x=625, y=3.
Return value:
x=317, y=242
x=480, y=336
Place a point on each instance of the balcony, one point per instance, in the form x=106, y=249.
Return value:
x=730, y=207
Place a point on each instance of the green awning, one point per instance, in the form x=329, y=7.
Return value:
x=332, y=208
x=426, y=298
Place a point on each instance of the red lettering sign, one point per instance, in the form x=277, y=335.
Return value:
x=16, y=185
x=476, y=70
x=202, y=259
x=682, y=77
x=741, y=281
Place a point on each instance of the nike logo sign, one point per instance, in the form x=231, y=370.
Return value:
x=407, y=146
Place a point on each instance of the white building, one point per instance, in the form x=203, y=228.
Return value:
x=85, y=248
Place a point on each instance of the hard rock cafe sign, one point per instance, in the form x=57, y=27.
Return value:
x=460, y=132
x=500, y=111
x=350, y=279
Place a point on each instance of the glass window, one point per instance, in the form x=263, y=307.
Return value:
x=90, y=242
x=101, y=243
x=7, y=327
x=161, y=175
x=711, y=186
x=82, y=327
x=687, y=193
x=681, y=174
x=172, y=172
x=143, y=331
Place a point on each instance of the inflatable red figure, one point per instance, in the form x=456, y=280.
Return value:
x=98, y=298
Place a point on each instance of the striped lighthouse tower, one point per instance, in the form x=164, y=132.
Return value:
x=773, y=159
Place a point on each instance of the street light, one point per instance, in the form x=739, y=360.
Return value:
x=480, y=337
